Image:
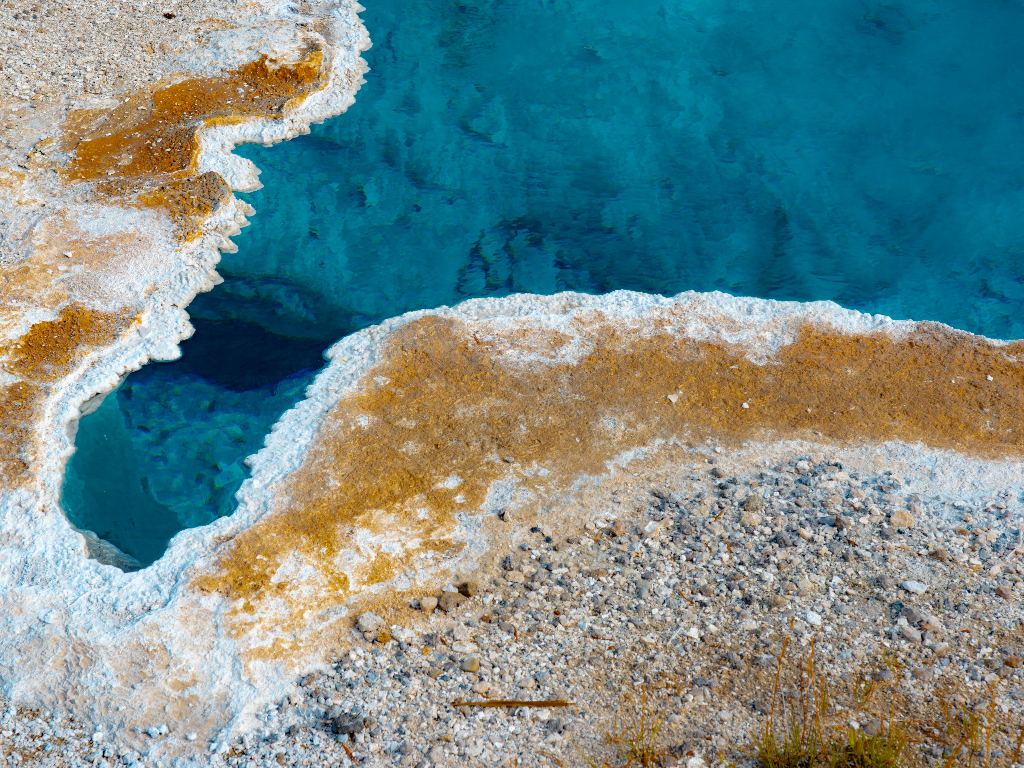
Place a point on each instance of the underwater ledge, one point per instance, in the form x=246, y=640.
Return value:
x=389, y=478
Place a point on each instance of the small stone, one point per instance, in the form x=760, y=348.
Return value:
x=913, y=615
x=191, y=736
x=468, y=588
x=909, y=633
x=450, y=601
x=901, y=519
x=383, y=637
x=472, y=664
x=515, y=577
x=369, y=622
x=1012, y=661
x=527, y=683
x=1004, y=591
x=483, y=688
x=436, y=754
x=428, y=603
x=347, y=724
x=814, y=618
x=750, y=519
x=924, y=674
x=872, y=727
x=754, y=503
x=916, y=587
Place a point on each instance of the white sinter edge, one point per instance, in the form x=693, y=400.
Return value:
x=67, y=622
x=55, y=602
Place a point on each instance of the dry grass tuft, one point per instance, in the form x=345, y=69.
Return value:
x=635, y=742
x=809, y=726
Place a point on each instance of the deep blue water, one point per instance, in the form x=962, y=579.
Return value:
x=868, y=153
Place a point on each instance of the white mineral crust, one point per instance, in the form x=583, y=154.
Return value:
x=80, y=634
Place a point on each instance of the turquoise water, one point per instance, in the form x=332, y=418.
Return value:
x=868, y=153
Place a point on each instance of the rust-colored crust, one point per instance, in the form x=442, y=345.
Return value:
x=141, y=154
x=445, y=402
x=51, y=349
x=41, y=357
x=155, y=137
x=188, y=201
x=19, y=408
x=144, y=152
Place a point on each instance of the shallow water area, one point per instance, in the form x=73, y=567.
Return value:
x=867, y=153
x=166, y=450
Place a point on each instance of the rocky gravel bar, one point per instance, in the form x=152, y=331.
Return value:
x=678, y=591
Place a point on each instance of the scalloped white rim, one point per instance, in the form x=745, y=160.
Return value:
x=51, y=593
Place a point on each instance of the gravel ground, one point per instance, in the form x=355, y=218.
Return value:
x=682, y=587
x=69, y=49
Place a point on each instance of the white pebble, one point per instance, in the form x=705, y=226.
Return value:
x=914, y=586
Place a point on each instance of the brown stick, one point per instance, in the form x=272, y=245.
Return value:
x=514, y=703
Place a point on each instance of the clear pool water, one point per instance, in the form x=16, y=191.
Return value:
x=863, y=152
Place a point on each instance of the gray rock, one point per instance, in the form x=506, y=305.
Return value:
x=916, y=587
x=872, y=727
x=347, y=724
x=450, y=601
x=369, y=623
x=913, y=615
x=909, y=633
x=754, y=503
